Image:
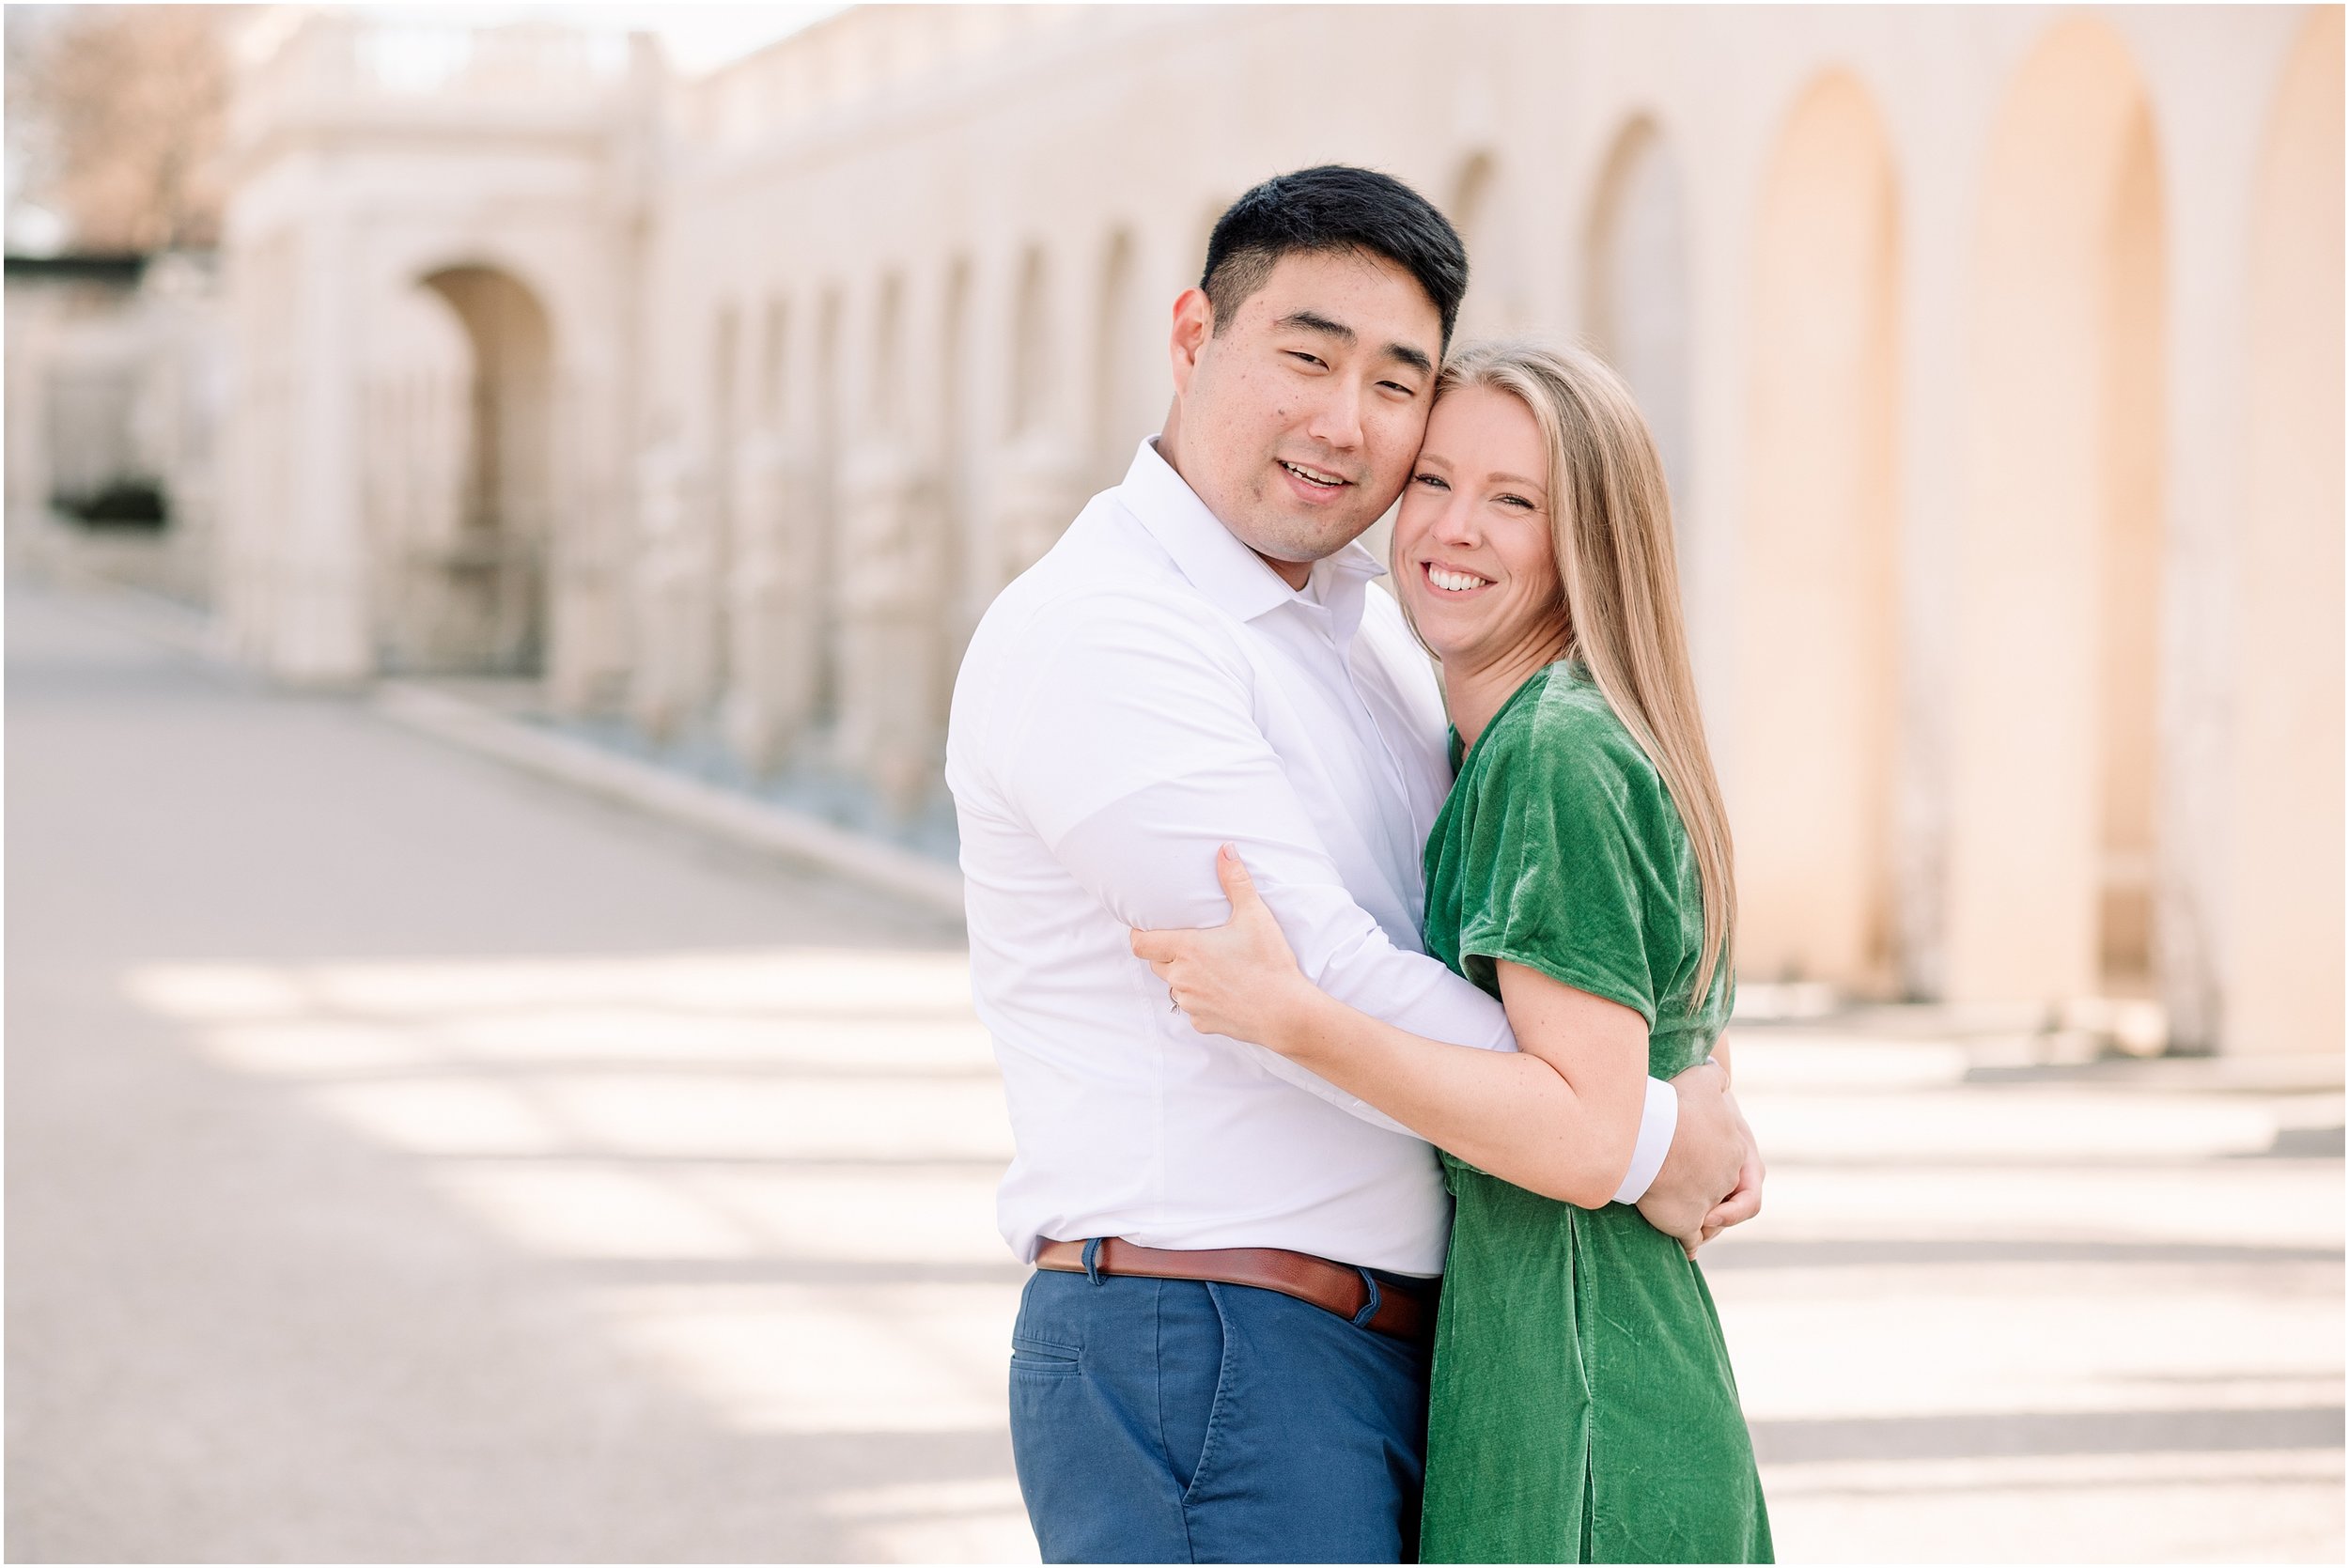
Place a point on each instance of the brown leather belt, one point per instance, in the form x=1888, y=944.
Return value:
x=1334, y=1287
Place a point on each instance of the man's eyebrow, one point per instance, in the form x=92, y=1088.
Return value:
x=1313, y=321
x=1411, y=356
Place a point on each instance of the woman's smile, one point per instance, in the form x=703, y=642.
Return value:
x=1453, y=581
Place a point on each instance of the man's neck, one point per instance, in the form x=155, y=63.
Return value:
x=1294, y=574
x=1168, y=445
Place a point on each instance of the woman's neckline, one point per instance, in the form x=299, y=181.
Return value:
x=1540, y=677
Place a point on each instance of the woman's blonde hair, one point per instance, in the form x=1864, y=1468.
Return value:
x=1612, y=524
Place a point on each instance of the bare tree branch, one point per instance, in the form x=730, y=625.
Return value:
x=128, y=105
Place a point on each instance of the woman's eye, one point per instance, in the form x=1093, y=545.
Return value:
x=1515, y=501
x=1429, y=480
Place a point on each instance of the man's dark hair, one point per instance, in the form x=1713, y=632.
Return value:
x=1328, y=210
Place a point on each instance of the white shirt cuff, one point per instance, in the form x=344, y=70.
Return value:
x=1658, y=1122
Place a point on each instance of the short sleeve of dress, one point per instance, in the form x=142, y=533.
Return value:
x=1559, y=862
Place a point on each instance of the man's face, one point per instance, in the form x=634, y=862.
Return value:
x=1296, y=423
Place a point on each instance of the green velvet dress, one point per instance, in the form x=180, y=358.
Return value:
x=1582, y=1408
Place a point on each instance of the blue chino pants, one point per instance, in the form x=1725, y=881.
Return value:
x=1172, y=1420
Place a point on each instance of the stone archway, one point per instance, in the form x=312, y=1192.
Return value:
x=769, y=595
x=891, y=584
x=1636, y=307
x=2283, y=936
x=1490, y=308
x=1034, y=352
x=1121, y=365
x=728, y=430
x=2056, y=659
x=828, y=433
x=1815, y=712
x=459, y=481
x=1039, y=482
x=958, y=444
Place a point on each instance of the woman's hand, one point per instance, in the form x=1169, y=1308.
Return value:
x=1745, y=1200
x=1240, y=978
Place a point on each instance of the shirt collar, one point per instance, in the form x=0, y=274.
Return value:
x=1221, y=568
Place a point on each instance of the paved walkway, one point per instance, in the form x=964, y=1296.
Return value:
x=408, y=1160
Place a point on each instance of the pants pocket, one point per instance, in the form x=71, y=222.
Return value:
x=1034, y=1357
x=1221, y=1409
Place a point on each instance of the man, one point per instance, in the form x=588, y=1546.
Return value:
x=1223, y=1356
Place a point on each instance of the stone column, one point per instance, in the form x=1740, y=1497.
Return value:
x=890, y=583
x=587, y=553
x=1037, y=494
x=772, y=596
x=319, y=635
x=605, y=377
x=2214, y=120
x=1936, y=225
x=2279, y=949
x=674, y=581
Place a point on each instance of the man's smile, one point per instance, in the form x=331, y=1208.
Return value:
x=1318, y=478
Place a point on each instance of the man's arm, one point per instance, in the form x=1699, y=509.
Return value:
x=1136, y=752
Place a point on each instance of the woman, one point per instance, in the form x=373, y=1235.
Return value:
x=1581, y=1404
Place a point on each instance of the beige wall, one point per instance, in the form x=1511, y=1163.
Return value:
x=1946, y=318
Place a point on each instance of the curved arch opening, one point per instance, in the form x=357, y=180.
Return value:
x=888, y=409
x=1636, y=307
x=459, y=477
x=1120, y=359
x=1489, y=308
x=958, y=459
x=1032, y=349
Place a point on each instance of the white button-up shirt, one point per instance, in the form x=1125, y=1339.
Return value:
x=1149, y=690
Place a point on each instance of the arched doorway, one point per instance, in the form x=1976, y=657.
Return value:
x=890, y=588
x=1033, y=352
x=1121, y=366
x=1490, y=308
x=957, y=461
x=2283, y=942
x=1816, y=707
x=728, y=426
x=2054, y=762
x=827, y=432
x=1636, y=303
x=1039, y=483
x=459, y=478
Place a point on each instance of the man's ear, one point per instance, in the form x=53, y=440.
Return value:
x=1194, y=323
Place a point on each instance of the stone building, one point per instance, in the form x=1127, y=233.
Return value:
x=115, y=371
x=1996, y=354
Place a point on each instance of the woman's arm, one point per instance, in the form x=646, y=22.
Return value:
x=1559, y=1117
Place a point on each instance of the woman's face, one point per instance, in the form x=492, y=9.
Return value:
x=1475, y=565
